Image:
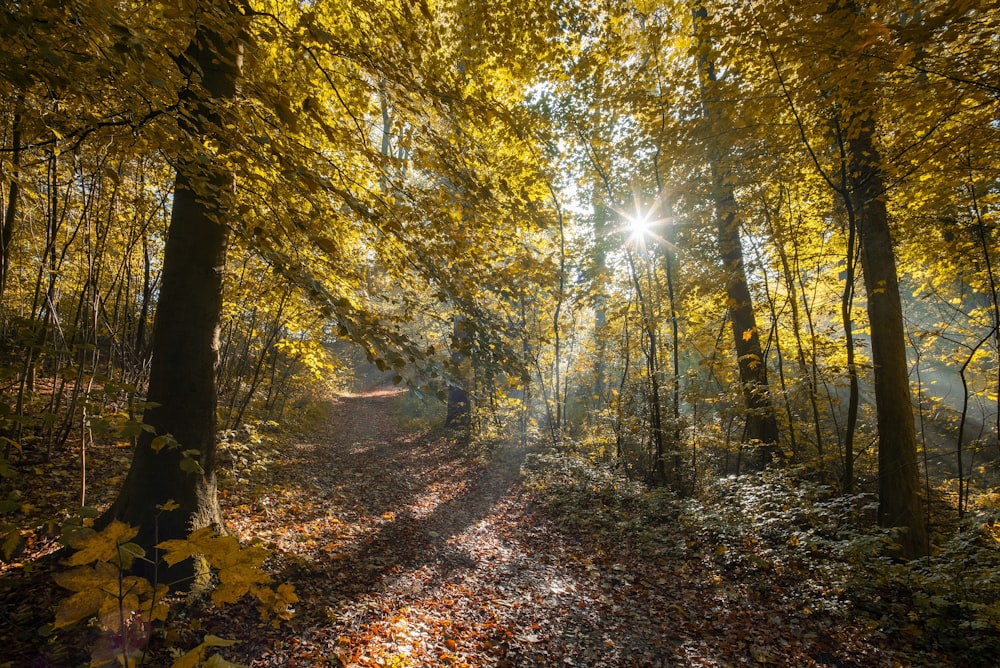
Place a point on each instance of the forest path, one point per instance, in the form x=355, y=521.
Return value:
x=407, y=550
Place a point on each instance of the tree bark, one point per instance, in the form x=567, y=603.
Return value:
x=459, y=413
x=182, y=392
x=898, y=475
x=762, y=425
x=10, y=211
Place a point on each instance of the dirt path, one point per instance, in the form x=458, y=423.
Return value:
x=406, y=551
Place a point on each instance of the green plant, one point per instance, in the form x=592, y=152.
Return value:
x=246, y=453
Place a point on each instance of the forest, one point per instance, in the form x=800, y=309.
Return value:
x=499, y=333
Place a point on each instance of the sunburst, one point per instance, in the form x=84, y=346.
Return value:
x=644, y=224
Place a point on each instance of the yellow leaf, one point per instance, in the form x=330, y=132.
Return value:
x=100, y=546
x=224, y=551
x=747, y=335
x=169, y=505
x=216, y=641
x=100, y=576
x=11, y=542
x=286, y=593
x=243, y=574
x=180, y=549
x=78, y=606
x=277, y=601
x=160, y=442
x=113, y=611
x=229, y=593
x=155, y=609
x=190, y=659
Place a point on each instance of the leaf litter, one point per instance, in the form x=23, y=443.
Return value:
x=409, y=548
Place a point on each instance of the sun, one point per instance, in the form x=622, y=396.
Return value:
x=645, y=225
x=639, y=225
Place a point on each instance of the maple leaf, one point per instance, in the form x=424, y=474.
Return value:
x=169, y=505
x=277, y=601
x=236, y=580
x=100, y=576
x=105, y=545
x=78, y=606
x=177, y=550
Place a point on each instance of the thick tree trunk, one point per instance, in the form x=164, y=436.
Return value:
x=898, y=476
x=182, y=387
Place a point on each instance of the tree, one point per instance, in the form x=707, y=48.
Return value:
x=762, y=426
x=294, y=151
x=853, y=86
x=899, y=481
x=174, y=460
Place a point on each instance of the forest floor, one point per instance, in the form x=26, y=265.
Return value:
x=407, y=549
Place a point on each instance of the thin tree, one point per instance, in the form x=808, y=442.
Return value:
x=761, y=425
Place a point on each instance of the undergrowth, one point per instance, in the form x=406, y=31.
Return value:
x=772, y=526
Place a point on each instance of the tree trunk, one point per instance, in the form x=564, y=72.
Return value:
x=182, y=387
x=762, y=426
x=800, y=355
x=459, y=414
x=898, y=476
x=761, y=423
x=659, y=470
x=10, y=211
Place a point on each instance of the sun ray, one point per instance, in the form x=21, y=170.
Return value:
x=643, y=225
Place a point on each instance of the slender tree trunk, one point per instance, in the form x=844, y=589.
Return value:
x=270, y=340
x=762, y=426
x=854, y=394
x=793, y=302
x=659, y=471
x=525, y=412
x=774, y=334
x=141, y=348
x=182, y=386
x=899, y=479
x=10, y=211
x=981, y=233
x=675, y=374
x=459, y=413
x=599, y=259
x=556, y=315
